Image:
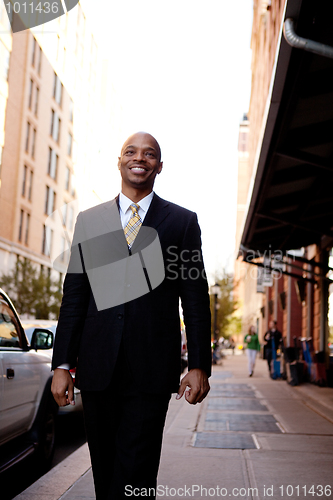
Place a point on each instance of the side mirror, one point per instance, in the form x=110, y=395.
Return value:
x=42, y=339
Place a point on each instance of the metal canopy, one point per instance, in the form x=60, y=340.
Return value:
x=292, y=199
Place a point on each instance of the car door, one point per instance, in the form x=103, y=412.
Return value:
x=20, y=377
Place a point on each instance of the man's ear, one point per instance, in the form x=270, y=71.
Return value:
x=119, y=160
x=160, y=167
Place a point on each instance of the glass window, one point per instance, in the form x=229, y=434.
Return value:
x=39, y=60
x=53, y=164
x=27, y=138
x=47, y=198
x=9, y=331
x=47, y=240
x=34, y=46
x=69, y=144
x=31, y=87
x=30, y=185
x=36, y=101
x=21, y=225
x=67, y=178
x=24, y=182
x=33, y=143
x=57, y=89
x=27, y=224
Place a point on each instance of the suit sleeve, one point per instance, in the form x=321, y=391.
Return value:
x=195, y=299
x=76, y=292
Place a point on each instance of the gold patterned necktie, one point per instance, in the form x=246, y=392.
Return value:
x=132, y=228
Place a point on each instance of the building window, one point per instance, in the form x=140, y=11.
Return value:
x=27, y=139
x=33, y=143
x=67, y=178
x=31, y=176
x=47, y=240
x=53, y=164
x=55, y=125
x=69, y=144
x=57, y=89
x=24, y=182
x=50, y=201
x=31, y=88
x=39, y=60
x=36, y=101
x=34, y=47
x=21, y=226
x=27, y=224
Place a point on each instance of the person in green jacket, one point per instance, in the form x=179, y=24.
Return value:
x=253, y=346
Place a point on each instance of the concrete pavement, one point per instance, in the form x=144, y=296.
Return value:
x=252, y=438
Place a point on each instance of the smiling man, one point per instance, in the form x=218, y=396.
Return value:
x=128, y=356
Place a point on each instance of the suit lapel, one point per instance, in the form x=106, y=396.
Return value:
x=157, y=212
x=111, y=217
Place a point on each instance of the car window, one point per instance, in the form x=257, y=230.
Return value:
x=9, y=332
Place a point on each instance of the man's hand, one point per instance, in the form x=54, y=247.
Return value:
x=62, y=387
x=198, y=384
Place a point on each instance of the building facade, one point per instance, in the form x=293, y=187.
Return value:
x=286, y=231
x=50, y=95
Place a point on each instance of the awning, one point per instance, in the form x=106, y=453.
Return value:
x=291, y=203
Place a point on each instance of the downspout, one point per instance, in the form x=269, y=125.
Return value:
x=303, y=43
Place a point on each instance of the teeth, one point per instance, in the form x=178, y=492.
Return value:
x=138, y=168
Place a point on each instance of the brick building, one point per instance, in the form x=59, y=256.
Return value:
x=49, y=137
x=287, y=223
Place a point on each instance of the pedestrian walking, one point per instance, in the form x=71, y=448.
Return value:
x=272, y=336
x=119, y=323
x=253, y=346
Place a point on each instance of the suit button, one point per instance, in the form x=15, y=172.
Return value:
x=120, y=316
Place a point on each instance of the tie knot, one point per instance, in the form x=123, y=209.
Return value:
x=134, y=207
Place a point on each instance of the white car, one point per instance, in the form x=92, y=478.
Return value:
x=27, y=407
x=29, y=326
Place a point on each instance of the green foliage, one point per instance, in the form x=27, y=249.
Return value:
x=227, y=325
x=34, y=292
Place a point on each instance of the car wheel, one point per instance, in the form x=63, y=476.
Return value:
x=46, y=436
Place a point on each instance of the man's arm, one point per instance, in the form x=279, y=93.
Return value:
x=196, y=308
x=72, y=315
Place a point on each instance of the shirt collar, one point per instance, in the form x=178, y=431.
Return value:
x=124, y=202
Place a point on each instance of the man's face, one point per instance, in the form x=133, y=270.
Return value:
x=139, y=162
x=271, y=325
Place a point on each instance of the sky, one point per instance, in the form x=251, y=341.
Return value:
x=180, y=70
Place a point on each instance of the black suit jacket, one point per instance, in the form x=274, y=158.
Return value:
x=149, y=325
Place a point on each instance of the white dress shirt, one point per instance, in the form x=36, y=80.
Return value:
x=125, y=213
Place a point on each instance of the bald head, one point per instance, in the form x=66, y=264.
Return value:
x=143, y=137
x=139, y=163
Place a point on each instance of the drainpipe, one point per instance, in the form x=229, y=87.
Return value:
x=303, y=43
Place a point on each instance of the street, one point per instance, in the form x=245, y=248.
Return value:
x=253, y=438
x=70, y=436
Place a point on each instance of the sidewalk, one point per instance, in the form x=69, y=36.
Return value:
x=252, y=438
